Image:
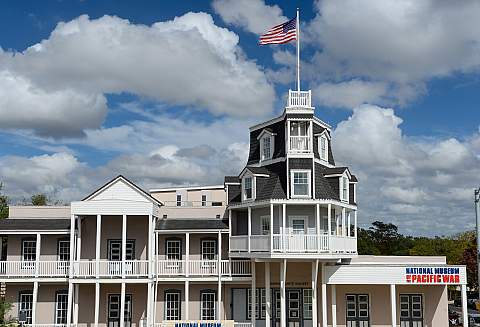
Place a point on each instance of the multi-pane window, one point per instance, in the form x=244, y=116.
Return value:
x=297, y=225
x=61, y=303
x=249, y=304
x=265, y=225
x=207, y=305
x=278, y=304
x=29, y=250
x=115, y=250
x=357, y=310
x=298, y=128
x=263, y=303
x=174, y=249
x=172, y=305
x=411, y=310
x=209, y=249
x=25, y=306
x=63, y=250
x=300, y=183
x=344, y=188
x=307, y=303
x=204, y=200
x=114, y=310
x=266, y=147
x=179, y=200
x=247, y=187
x=323, y=148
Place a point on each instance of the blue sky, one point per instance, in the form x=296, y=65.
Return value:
x=132, y=89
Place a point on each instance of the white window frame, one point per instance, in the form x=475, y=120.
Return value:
x=270, y=148
x=307, y=303
x=212, y=305
x=265, y=222
x=244, y=193
x=173, y=312
x=61, y=303
x=173, y=244
x=323, y=154
x=292, y=218
x=25, y=303
x=354, y=192
x=214, y=247
x=257, y=303
x=32, y=253
x=344, y=193
x=292, y=186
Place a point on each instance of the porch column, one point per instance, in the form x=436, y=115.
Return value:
x=122, y=305
x=355, y=223
x=314, y=293
x=149, y=303
x=284, y=226
x=253, y=311
x=393, y=304
x=79, y=239
x=337, y=221
x=97, y=302
x=249, y=227
x=348, y=223
x=324, y=296
x=187, y=299
x=69, y=303
x=98, y=245
x=75, y=304
x=343, y=221
x=317, y=223
x=38, y=245
x=34, y=303
x=150, y=249
x=334, y=306
x=187, y=254
x=219, y=271
x=329, y=215
x=268, y=304
x=271, y=227
x=124, y=244
x=464, y=306
x=283, y=308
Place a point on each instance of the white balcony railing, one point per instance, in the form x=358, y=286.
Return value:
x=131, y=268
x=299, y=144
x=193, y=204
x=302, y=99
x=202, y=268
x=294, y=243
x=34, y=268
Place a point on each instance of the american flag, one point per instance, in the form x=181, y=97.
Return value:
x=280, y=34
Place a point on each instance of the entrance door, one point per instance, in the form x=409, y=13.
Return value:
x=114, y=310
x=411, y=310
x=358, y=311
x=294, y=316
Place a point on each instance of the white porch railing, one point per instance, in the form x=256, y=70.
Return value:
x=299, y=144
x=239, y=243
x=343, y=244
x=299, y=98
x=202, y=268
x=131, y=268
x=300, y=243
x=34, y=268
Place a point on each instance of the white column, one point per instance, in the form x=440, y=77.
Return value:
x=69, y=304
x=98, y=244
x=314, y=293
x=343, y=222
x=122, y=305
x=253, y=291
x=124, y=244
x=249, y=227
x=268, y=305
x=337, y=221
x=229, y=224
x=271, y=227
x=79, y=239
x=348, y=223
x=219, y=271
x=149, y=304
x=150, y=250
x=355, y=223
x=75, y=304
x=284, y=226
x=329, y=215
x=317, y=222
x=34, y=303
x=393, y=304
x=187, y=254
x=283, y=307
x=324, y=297
x=464, y=306
x=334, y=306
x=97, y=302
x=187, y=299
x=38, y=245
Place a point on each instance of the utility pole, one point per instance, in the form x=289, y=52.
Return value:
x=477, y=218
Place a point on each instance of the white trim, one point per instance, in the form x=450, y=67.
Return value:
x=309, y=179
x=252, y=185
x=265, y=163
x=187, y=188
x=341, y=179
x=262, y=148
x=265, y=131
x=297, y=217
x=323, y=163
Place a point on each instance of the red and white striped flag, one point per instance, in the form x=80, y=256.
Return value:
x=280, y=34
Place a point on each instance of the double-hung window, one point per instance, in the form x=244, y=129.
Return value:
x=344, y=188
x=172, y=305
x=265, y=225
x=174, y=249
x=266, y=147
x=247, y=188
x=323, y=147
x=207, y=305
x=61, y=307
x=63, y=253
x=209, y=249
x=25, y=306
x=300, y=181
x=29, y=253
x=307, y=303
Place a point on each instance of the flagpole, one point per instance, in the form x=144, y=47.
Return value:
x=298, y=51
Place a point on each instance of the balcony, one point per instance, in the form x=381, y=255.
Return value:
x=200, y=268
x=294, y=243
x=299, y=144
x=299, y=99
x=24, y=269
x=110, y=269
x=193, y=204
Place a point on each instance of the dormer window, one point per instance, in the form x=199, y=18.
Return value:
x=300, y=181
x=323, y=147
x=344, y=188
x=267, y=141
x=247, y=188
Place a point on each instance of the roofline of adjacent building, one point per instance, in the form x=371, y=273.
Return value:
x=187, y=188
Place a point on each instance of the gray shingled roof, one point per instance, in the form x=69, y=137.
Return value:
x=231, y=179
x=10, y=224
x=190, y=223
x=258, y=170
x=334, y=170
x=354, y=178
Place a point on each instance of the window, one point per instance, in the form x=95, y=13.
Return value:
x=357, y=310
x=115, y=250
x=204, y=200
x=323, y=147
x=263, y=303
x=298, y=128
x=344, y=188
x=207, y=305
x=61, y=302
x=209, y=249
x=297, y=224
x=266, y=150
x=114, y=310
x=411, y=310
x=29, y=250
x=307, y=303
x=300, y=183
x=172, y=305
x=265, y=225
x=63, y=250
x=174, y=249
x=278, y=303
x=25, y=306
x=249, y=304
x=299, y=139
x=179, y=200
x=247, y=188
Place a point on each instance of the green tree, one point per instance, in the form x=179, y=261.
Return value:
x=39, y=199
x=3, y=204
x=5, y=306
